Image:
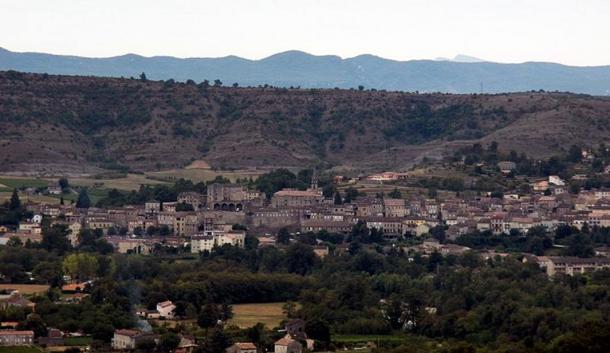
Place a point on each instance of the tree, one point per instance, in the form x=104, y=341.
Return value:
x=217, y=83
x=168, y=342
x=64, y=184
x=83, y=200
x=300, y=258
x=14, y=242
x=338, y=199
x=360, y=88
x=15, y=202
x=143, y=77
x=209, y=316
x=395, y=194
x=80, y=266
x=55, y=238
x=217, y=343
x=351, y=193
x=318, y=330
x=283, y=236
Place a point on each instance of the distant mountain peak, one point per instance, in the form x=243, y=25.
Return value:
x=461, y=58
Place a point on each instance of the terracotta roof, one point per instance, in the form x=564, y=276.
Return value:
x=245, y=345
x=286, y=340
x=301, y=193
x=165, y=304
x=126, y=332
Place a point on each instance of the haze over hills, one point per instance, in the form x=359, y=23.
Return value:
x=463, y=74
x=82, y=124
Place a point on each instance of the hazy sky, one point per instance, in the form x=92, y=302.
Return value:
x=575, y=32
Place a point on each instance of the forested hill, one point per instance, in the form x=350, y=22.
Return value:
x=295, y=68
x=71, y=123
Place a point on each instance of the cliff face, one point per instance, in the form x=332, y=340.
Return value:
x=79, y=123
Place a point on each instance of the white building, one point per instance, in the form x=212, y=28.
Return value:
x=209, y=239
x=166, y=309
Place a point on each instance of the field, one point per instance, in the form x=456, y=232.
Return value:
x=26, y=288
x=201, y=174
x=19, y=182
x=363, y=339
x=78, y=341
x=248, y=315
x=128, y=183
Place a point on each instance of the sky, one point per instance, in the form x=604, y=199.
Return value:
x=573, y=32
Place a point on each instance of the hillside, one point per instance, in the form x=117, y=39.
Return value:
x=294, y=68
x=81, y=124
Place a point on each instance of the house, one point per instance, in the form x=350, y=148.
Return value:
x=506, y=166
x=242, y=347
x=557, y=181
x=74, y=287
x=209, y=239
x=166, y=309
x=187, y=345
x=296, y=329
x=569, y=265
x=132, y=246
x=54, y=337
x=321, y=251
x=394, y=207
x=191, y=198
x=16, y=338
x=15, y=300
x=296, y=198
x=129, y=339
x=287, y=345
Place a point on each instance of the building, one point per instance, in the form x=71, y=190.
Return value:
x=394, y=207
x=570, y=265
x=209, y=239
x=229, y=197
x=297, y=198
x=242, y=347
x=391, y=227
x=166, y=309
x=194, y=199
x=287, y=345
x=16, y=338
x=129, y=339
x=54, y=337
x=132, y=246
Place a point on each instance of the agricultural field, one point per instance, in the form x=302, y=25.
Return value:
x=248, y=315
x=127, y=183
x=78, y=341
x=26, y=288
x=201, y=174
x=11, y=182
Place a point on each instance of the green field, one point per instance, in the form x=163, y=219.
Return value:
x=78, y=341
x=362, y=339
x=248, y=315
x=16, y=182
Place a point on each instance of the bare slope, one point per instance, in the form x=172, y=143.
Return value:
x=82, y=124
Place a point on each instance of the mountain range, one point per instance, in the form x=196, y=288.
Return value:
x=462, y=74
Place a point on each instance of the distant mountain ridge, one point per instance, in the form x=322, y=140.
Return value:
x=463, y=74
